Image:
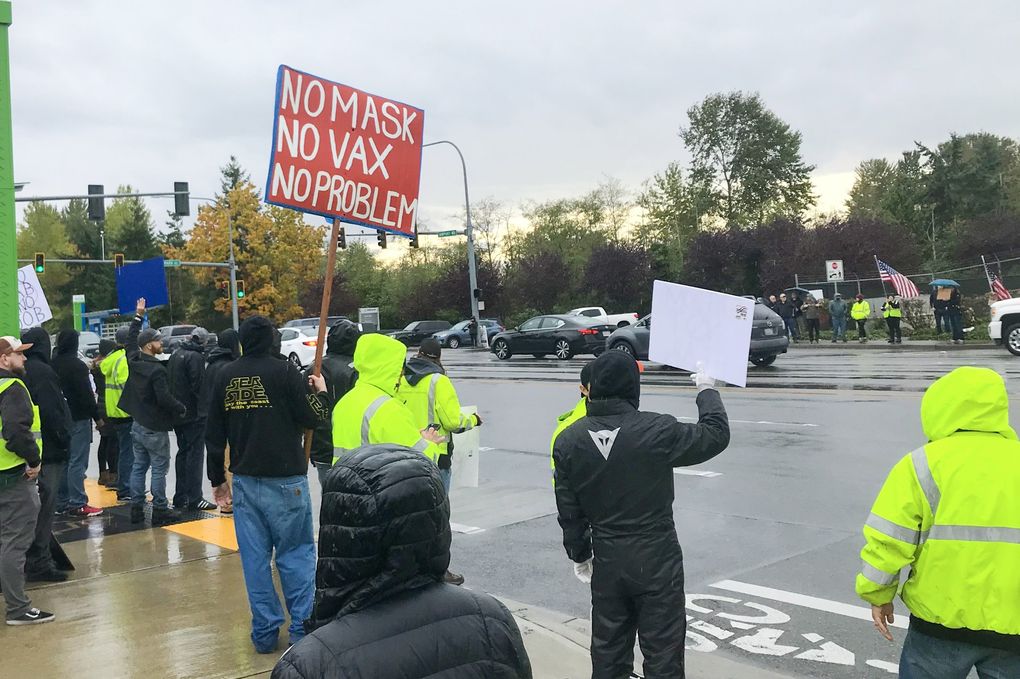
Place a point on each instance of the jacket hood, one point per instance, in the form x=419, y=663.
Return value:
x=67, y=341
x=227, y=343
x=419, y=368
x=40, y=341
x=342, y=338
x=257, y=336
x=379, y=361
x=615, y=375
x=967, y=399
x=384, y=528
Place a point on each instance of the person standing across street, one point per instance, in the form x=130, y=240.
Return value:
x=109, y=449
x=893, y=314
x=788, y=312
x=261, y=406
x=837, y=314
x=950, y=511
x=429, y=394
x=186, y=372
x=147, y=397
x=940, y=310
x=115, y=373
x=81, y=401
x=860, y=312
x=954, y=310
x=44, y=386
x=20, y=465
x=772, y=303
x=812, y=310
x=614, y=496
x=798, y=310
x=338, y=371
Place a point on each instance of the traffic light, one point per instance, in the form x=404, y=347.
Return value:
x=223, y=286
x=240, y=289
x=341, y=240
x=381, y=239
x=477, y=293
x=414, y=239
x=40, y=262
x=181, y=199
x=118, y=260
x=97, y=206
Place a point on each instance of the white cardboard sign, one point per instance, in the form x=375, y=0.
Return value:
x=693, y=325
x=32, y=305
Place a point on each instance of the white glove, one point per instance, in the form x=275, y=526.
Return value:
x=701, y=380
x=583, y=571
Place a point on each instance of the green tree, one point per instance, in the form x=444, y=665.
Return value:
x=751, y=158
x=95, y=281
x=129, y=227
x=232, y=176
x=41, y=230
x=869, y=196
x=673, y=208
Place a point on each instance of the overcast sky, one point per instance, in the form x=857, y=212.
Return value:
x=546, y=99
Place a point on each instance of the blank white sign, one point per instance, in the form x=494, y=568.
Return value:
x=692, y=325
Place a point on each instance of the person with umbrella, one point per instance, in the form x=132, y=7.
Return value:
x=945, y=301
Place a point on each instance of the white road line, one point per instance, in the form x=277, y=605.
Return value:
x=485, y=449
x=765, y=422
x=891, y=668
x=695, y=472
x=824, y=605
x=467, y=530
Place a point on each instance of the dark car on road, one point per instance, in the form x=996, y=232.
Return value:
x=459, y=336
x=562, y=336
x=174, y=335
x=416, y=331
x=768, y=337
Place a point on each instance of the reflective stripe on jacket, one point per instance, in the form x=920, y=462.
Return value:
x=433, y=400
x=891, y=310
x=8, y=459
x=951, y=511
x=115, y=371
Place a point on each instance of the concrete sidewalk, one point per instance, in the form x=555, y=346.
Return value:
x=558, y=647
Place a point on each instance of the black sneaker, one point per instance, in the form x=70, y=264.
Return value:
x=202, y=505
x=51, y=575
x=164, y=517
x=33, y=617
x=137, y=514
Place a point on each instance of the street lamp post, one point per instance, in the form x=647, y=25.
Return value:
x=472, y=271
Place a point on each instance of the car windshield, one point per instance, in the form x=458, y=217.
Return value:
x=89, y=338
x=412, y=325
x=463, y=325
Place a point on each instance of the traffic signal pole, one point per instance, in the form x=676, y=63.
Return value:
x=9, y=314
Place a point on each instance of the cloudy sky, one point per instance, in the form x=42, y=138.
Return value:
x=546, y=99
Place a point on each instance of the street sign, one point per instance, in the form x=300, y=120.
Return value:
x=834, y=270
x=169, y=263
x=444, y=234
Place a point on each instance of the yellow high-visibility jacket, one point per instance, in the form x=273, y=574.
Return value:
x=115, y=371
x=564, y=421
x=370, y=412
x=8, y=458
x=433, y=400
x=951, y=511
x=860, y=310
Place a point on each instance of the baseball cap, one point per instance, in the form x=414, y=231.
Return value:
x=148, y=335
x=10, y=345
x=200, y=334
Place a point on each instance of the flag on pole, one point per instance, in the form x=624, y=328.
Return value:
x=995, y=283
x=904, y=286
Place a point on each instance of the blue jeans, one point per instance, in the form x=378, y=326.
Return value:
x=71, y=493
x=838, y=328
x=956, y=320
x=791, y=327
x=126, y=460
x=447, y=476
x=926, y=657
x=152, y=448
x=275, y=513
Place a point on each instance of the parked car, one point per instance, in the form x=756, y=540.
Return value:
x=298, y=345
x=768, y=337
x=314, y=322
x=597, y=313
x=173, y=336
x=416, y=331
x=563, y=336
x=459, y=335
x=1005, y=326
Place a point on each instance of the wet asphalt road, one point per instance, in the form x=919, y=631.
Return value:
x=771, y=528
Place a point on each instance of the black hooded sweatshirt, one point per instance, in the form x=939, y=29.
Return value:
x=227, y=349
x=147, y=396
x=381, y=607
x=44, y=386
x=186, y=370
x=261, y=406
x=74, y=377
x=340, y=376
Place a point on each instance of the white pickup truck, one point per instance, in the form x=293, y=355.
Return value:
x=597, y=313
x=1005, y=325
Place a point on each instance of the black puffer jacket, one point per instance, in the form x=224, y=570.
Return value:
x=74, y=377
x=44, y=386
x=381, y=607
x=340, y=376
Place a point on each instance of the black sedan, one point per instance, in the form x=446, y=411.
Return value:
x=561, y=336
x=417, y=331
x=768, y=337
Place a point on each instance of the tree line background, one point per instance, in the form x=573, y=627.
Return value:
x=733, y=218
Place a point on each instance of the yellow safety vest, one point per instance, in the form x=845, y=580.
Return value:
x=9, y=459
x=433, y=400
x=115, y=370
x=889, y=311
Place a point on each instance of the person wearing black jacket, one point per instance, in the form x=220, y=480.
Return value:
x=147, y=398
x=44, y=385
x=614, y=495
x=788, y=312
x=81, y=401
x=127, y=341
x=261, y=406
x=340, y=376
x=186, y=369
x=109, y=449
x=381, y=606
x=227, y=350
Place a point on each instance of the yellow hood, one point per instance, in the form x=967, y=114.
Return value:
x=379, y=361
x=967, y=399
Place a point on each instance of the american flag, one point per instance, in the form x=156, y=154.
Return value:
x=904, y=287
x=995, y=283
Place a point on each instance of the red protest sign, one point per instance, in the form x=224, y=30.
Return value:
x=343, y=153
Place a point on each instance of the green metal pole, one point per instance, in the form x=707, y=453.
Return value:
x=9, y=314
